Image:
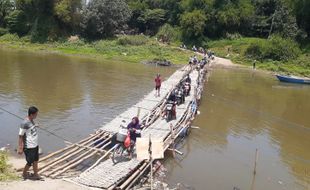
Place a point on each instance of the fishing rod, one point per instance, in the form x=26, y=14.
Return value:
x=47, y=131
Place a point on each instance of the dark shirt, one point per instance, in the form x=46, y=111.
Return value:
x=188, y=79
x=133, y=134
x=172, y=97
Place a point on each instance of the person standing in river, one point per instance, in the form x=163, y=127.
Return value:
x=157, y=85
x=28, y=143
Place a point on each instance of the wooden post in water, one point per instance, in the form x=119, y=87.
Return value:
x=151, y=160
x=172, y=139
x=255, y=164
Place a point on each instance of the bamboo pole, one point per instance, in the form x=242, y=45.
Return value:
x=90, y=148
x=138, y=112
x=141, y=172
x=172, y=139
x=151, y=170
x=99, y=160
x=64, y=149
x=76, y=161
x=65, y=156
x=255, y=163
x=86, y=140
x=133, y=176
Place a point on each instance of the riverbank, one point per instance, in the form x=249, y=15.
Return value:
x=135, y=49
x=235, y=50
x=141, y=48
x=6, y=170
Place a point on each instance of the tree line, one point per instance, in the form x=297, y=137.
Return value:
x=187, y=20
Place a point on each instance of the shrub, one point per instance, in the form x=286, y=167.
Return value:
x=255, y=50
x=167, y=33
x=5, y=171
x=281, y=49
x=9, y=37
x=233, y=36
x=276, y=48
x=26, y=39
x=3, y=165
x=135, y=40
x=3, y=31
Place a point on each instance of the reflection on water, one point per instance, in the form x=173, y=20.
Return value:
x=74, y=95
x=242, y=111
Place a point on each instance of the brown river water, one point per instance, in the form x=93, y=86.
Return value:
x=241, y=110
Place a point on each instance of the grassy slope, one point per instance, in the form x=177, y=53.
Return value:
x=235, y=50
x=107, y=49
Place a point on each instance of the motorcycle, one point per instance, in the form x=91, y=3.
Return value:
x=179, y=96
x=187, y=89
x=124, y=145
x=169, y=110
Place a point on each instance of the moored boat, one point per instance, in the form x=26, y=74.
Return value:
x=293, y=79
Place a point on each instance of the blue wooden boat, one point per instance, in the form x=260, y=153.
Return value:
x=293, y=79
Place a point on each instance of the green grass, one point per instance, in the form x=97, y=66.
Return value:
x=123, y=48
x=6, y=173
x=235, y=50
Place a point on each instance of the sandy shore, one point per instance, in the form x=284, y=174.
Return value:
x=224, y=62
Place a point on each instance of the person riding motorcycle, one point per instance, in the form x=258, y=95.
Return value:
x=180, y=99
x=171, y=99
x=187, y=84
x=195, y=60
x=132, y=127
x=188, y=79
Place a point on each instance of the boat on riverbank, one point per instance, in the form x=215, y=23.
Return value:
x=293, y=79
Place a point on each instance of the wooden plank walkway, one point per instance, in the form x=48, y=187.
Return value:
x=148, y=103
x=107, y=175
x=87, y=162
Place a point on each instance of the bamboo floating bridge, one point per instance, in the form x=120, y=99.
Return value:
x=88, y=161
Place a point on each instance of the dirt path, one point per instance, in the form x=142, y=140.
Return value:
x=217, y=60
x=224, y=62
x=47, y=184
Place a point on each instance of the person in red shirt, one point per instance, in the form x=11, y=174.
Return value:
x=157, y=85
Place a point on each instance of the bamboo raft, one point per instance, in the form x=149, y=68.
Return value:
x=87, y=162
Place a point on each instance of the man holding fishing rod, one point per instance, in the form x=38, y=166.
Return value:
x=28, y=143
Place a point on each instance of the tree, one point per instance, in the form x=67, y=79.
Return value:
x=137, y=8
x=103, y=17
x=190, y=5
x=302, y=11
x=172, y=8
x=6, y=7
x=234, y=16
x=68, y=14
x=17, y=22
x=283, y=23
x=167, y=33
x=38, y=17
x=263, y=14
x=193, y=23
x=152, y=19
